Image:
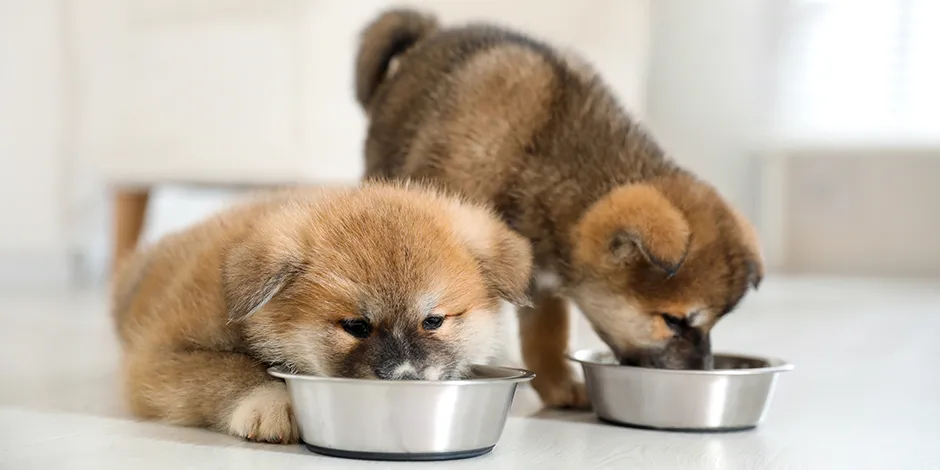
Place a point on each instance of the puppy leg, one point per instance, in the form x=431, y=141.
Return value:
x=227, y=391
x=543, y=329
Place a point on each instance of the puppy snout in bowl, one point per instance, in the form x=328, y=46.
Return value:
x=688, y=349
x=734, y=395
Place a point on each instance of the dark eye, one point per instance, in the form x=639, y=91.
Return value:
x=675, y=323
x=357, y=328
x=432, y=323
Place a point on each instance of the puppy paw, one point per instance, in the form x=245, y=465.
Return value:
x=565, y=393
x=265, y=415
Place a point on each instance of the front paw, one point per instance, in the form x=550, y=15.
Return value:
x=265, y=415
x=565, y=392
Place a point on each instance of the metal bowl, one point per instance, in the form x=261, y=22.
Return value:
x=403, y=419
x=733, y=396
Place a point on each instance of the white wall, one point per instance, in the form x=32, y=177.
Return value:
x=32, y=110
x=710, y=87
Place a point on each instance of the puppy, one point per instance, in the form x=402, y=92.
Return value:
x=652, y=256
x=382, y=281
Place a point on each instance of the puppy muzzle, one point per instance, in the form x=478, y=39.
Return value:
x=690, y=351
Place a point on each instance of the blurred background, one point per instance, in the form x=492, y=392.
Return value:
x=820, y=119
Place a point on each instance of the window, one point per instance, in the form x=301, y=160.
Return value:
x=860, y=71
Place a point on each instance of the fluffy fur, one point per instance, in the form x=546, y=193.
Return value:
x=381, y=281
x=652, y=255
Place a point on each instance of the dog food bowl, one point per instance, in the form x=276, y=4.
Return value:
x=733, y=396
x=405, y=420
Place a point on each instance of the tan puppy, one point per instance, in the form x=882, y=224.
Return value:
x=380, y=281
x=652, y=255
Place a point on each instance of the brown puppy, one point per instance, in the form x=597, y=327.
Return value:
x=652, y=256
x=380, y=281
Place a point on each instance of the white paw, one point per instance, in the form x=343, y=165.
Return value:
x=265, y=415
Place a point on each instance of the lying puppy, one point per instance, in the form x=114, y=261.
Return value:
x=651, y=255
x=381, y=281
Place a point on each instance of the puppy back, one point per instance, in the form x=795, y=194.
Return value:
x=391, y=34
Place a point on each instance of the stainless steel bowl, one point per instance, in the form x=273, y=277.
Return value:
x=403, y=419
x=735, y=395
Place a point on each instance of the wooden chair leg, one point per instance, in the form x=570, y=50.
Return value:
x=130, y=212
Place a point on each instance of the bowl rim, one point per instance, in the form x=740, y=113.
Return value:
x=519, y=375
x=777, y=365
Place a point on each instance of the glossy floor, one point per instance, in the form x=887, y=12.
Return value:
x=865, y=394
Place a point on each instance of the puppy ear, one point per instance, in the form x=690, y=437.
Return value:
x=504, y=256
x=253, y=272
x=632, y=222
x=751, y=242
x=507, y=266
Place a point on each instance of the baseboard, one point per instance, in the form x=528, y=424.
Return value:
x=31, y=270
x=848, y=211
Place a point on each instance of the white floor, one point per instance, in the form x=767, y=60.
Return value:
x=865, y=395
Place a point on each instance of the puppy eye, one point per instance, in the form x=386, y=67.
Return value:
x=675, y=323
x=357, y=328
x=432, y=323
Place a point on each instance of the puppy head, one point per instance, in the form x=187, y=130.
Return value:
x=379, y=282
x=657, y=264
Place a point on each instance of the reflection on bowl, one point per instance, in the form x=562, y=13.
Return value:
x=735, y=395
x=403, y=419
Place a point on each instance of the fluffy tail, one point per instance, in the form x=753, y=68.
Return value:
x=390, y=35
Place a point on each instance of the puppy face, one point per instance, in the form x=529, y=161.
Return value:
x=382, y=282
x=658, y=265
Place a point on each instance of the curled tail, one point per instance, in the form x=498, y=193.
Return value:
x=389, y=35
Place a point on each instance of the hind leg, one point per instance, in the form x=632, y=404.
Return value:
x=226, y=391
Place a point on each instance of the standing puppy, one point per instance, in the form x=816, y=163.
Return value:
x=653, y=256
x=377, y=282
